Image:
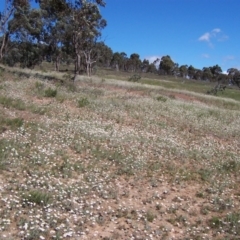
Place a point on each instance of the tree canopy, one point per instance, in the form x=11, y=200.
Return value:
x=70, y=31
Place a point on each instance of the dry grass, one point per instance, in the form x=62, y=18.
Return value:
x=108, y=159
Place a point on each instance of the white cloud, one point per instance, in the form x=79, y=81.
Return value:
x=205, y=37
x=216, y=33
x=216, y=30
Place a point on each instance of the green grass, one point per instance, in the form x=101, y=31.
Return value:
x=36, y=197
x=13, y=123
x=9, y=102
x=51, y=93
x=82, y=102
x=136, y=157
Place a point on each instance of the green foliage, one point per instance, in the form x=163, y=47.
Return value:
x=135, y=78
x=150, y=216
x=12, y=123
x=166, y=65
x=39, y=86
x=233, y=222
x=82, y=102
x=218, y=88
x=8, y=102
x=230, y=166
x=215, y=222
x=205, y=174
x=49, y=92
x=36, y=197
x=3, y=154
x=161, y=99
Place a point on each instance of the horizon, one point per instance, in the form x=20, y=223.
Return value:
x=200, y=33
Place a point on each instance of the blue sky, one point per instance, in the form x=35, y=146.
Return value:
x=201, y=33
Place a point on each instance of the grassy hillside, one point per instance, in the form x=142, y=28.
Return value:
x=111, y=159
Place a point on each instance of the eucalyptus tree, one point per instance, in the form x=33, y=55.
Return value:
x=176, y=70
x=25, y=29
x=119, y=61
x=86, y=24
x=124, y=61
x=145, y=65
x=166, y=65
x=55, y=35
x=134, y=62
x=183, y=70
x=216, y=71
x=234, y=76
x=191, y=71
x=197, y=74
x=207, y=74
x=105, y=54
x=10, y=6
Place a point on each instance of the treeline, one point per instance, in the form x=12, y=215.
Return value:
x=70, y=31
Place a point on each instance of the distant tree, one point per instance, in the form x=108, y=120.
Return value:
x=134, y=62
x=152, y=68
x=191, y=71
x=124, y=61
x=149, y=67
x=105, y=54
x=216, y=71
x=175, y=70
x=183, y=70
x=166, y=65
x=197, y=74
x=91, y=55
x=207, y=74
x=234, y=76
x=117, y=60
x=145, y=65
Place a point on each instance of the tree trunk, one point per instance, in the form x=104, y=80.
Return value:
x=57, y=64
x=4, y=43
x=77, y=66
x=117, y=68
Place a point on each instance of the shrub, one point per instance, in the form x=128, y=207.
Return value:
x=8, y=102
x=150, y=216
x=49, y=92
x=135, y=78
x=82, y=102
x=39, y=86
x=37, y=197
x=161, y=99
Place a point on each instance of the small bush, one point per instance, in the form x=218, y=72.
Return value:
x=49, y=92
x=161, y=99
x=39, y=86
x=4, y=152
x=8, y=102
x=135, y=78
x=215, y=222
x=82, y=102
x=14, y=123
x=37, y=197
x=150, y=216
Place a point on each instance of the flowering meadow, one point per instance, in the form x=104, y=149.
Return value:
x=110, y=159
